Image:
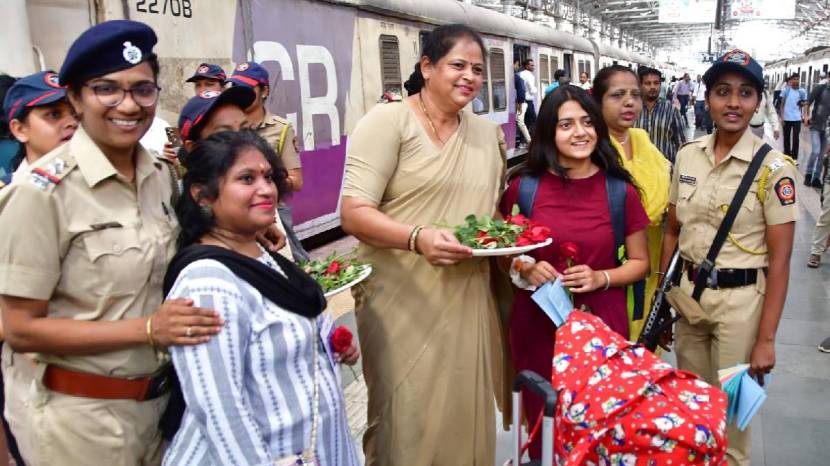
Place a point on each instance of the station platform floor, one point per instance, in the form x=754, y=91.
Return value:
x=794, y=422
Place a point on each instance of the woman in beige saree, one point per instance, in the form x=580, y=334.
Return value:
x=427, y=319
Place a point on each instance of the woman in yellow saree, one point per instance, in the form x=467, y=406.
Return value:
x=617, y=90
x=427, y=320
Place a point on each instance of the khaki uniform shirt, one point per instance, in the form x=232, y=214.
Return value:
x=78, y=234
x=270, y=130
x=701, y=192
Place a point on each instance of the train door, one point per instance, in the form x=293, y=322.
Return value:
x=568, y=63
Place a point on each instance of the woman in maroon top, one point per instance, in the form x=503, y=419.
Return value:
x=572, y=156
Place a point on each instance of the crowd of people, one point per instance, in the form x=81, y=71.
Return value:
x=153, y=312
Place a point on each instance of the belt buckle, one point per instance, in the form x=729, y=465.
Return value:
x=708, y=268
x=160, y=382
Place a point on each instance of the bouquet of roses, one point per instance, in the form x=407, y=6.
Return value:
x=486, y=232
x=334, y=271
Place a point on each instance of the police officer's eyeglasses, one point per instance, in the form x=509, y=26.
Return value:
x=110, y=95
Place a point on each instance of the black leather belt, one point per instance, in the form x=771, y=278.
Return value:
x=724, y=278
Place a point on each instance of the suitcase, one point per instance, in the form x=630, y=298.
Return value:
x=535, y=384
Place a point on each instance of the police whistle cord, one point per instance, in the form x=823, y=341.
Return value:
x=659, y=317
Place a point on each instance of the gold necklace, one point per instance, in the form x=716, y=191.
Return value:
x=429, y=118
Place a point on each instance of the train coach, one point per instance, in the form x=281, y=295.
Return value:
x=329, y=61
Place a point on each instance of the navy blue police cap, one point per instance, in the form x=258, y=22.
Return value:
x=208, y=71
x=106, y=48
x=195, y=112
x=32, y=91
x=735, y=60
x=250, y=74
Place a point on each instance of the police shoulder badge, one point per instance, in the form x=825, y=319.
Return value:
x=131, y=53
x=785, y=190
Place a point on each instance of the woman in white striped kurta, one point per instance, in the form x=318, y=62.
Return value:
x=249, y=390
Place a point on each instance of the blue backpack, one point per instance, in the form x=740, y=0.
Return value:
x=636, y=292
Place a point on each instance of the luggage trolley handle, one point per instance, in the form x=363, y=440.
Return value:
x=541, y=387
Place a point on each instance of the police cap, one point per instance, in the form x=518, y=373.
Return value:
x=196, y=111
x=250, y=74
x=208, y=71
x=106, y=48
x=32, y=91
x=739, y=61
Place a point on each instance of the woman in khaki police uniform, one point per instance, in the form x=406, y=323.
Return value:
x=741, y=315
x=80, y=280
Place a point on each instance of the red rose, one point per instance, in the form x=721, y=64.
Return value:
x=570, y=251
x=523, y=240
x=538, y=233
x=333, y=268
x=341, y=339
x=517, y=219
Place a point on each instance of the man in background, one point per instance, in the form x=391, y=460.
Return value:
x=793, y=112
x=522, y=135
x=659, y=117
x=531, y=91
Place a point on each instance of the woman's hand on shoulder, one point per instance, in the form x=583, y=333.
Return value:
x=539, y=273
x=441, y=248
x=177, y=322
x=583, y=279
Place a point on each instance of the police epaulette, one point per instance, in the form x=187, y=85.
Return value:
x=49, y=173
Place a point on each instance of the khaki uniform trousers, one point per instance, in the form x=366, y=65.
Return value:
x=18, y=377
x=57, y=429
x=725, y=341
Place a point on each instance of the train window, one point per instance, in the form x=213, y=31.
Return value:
x=554, y=63
x=498, y=78
x=803, y=77
x=588, y=68
x=390, y=65
x=481, y=104
x=544, y=70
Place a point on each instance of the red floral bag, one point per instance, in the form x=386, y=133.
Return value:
x=621, y=405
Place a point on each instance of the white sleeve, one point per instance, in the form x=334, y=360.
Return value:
x=771, y=114
x=212, y=374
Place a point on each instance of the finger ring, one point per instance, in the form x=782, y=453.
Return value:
x=189, y=332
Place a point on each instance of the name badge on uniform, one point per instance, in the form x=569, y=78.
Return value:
x=688, y=179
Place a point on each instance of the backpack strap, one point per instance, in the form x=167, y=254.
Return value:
x=708, y=265
x=528, y=185
x=616, y=204
x=636, y=292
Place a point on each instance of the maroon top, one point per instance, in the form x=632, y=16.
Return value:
x=576, y=211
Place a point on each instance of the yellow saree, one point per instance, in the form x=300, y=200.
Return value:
x=651, y=172
x=429, y=335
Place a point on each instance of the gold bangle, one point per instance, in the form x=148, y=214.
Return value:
x=415, y=239
x=413, y=235
x=150, y=332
